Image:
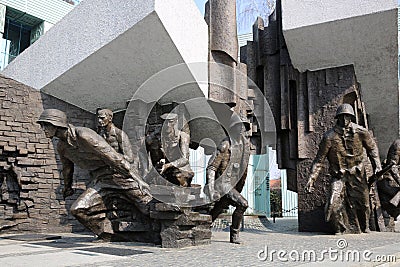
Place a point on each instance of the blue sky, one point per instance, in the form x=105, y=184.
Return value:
x=247, y=23
x=201, y=3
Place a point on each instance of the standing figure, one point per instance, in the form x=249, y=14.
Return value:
x=111, y=175
x=117, y=138
x=389, y=185
x=348, y=206
x=175, y=148
x=226, y=175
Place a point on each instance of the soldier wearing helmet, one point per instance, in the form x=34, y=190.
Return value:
x=348, y=206
x=226, y=175
x=111, y=175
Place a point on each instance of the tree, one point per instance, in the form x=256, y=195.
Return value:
x=249, y=10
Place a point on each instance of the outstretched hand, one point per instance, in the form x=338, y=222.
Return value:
x=143, y=186
x=165, y=167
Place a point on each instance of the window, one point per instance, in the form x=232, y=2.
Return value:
x=16, y=39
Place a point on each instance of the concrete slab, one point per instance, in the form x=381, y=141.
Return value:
x=116, y=46
x=324, y=34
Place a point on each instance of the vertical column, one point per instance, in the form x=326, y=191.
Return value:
x=223, y=46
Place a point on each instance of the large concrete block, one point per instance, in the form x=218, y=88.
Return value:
x=103, y=51
x=324, y=34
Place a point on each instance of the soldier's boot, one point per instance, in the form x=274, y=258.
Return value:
x=234, y=236
x=366, y=230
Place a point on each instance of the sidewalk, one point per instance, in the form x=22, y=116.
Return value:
x=260, y=239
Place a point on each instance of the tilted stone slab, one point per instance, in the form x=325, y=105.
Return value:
x=102, y=60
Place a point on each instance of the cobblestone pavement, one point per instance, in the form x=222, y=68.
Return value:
x=261, y=239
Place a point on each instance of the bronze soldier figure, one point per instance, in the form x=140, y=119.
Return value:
x=117, y=138
x=389, y=184
x=111, y=174
x=175, y=148
x=226, y=175
x=348, y=205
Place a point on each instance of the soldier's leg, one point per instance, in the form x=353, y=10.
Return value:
x=240, y=204
x=90, y=210
x=365, y=211
x=335, y=207
x=358, y=197
x=140, y=199
x=219, y=206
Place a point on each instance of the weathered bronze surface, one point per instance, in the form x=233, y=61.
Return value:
x=169, y=151
x=117, y=138
x=348, y=207
x=226, y=176
x=117, y=204
x=111, y=175
x=389, y=185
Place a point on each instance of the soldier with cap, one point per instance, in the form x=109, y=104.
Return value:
x=348, y=206
x=111, y=174
x=226, y=175
x=117, y=138
x=175, y=148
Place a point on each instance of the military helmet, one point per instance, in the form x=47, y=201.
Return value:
x=345, y=109
x=53, y=116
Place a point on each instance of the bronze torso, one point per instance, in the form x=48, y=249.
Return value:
x=346, y=150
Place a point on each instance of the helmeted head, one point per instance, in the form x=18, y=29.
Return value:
x=104, y=117
x=345, y=109
x=50, y=120
x=344, y=115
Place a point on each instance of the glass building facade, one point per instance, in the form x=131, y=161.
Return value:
x=23, y=22
x=16, y=38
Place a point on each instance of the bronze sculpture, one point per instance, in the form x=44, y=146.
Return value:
x=226, y=175
x=348, y=204
x=389, y=184
x=111, y=174
x=117, y=138
x=169, y=151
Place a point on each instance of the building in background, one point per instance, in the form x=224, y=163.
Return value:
x=22, y=22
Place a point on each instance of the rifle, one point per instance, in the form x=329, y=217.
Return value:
x=373, y=178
